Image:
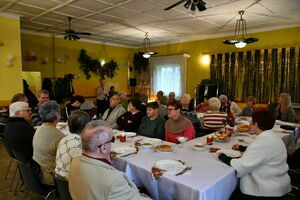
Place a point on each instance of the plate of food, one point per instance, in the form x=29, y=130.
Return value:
x=243, y=127
x=148, y=142
x=164, y=148
x=124, y=150
x=214, y=149
x=230, y=153
x=198, y=147
x=221, y=136
x=169, y=165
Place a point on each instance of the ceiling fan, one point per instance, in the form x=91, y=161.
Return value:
x=71, y=34
x=189, y=3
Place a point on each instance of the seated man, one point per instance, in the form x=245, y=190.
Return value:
x=43, y=96
x=114, y=111
x=18, y=133
x=152, y=125
x=92, y=176
x=70, y=146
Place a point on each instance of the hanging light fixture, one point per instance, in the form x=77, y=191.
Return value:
x=240, y=40
x=146, y=46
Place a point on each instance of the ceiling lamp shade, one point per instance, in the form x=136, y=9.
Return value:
x=146, y=46
x=240, y=33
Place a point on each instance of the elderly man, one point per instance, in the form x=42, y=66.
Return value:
x=92, y=176
x=46, y=140
x=70, y=146
x=18, y=133
x=43, y=96
x=114, y=111
x=171, y=96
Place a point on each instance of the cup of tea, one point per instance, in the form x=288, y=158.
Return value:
x=209, y=140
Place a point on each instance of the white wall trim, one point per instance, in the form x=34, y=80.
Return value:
x=8, y=15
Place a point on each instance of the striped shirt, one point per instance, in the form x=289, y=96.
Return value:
x=214, y=120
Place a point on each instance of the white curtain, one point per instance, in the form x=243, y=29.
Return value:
x=168, y=74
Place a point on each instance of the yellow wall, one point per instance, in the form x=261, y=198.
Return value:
x=10, y=76
x=196, y=71
x=34, y=81
x=68, y=51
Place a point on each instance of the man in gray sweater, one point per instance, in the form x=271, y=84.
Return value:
x=152, y=125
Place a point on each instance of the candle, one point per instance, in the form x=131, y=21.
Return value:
x=209, y=140
x=123, y=138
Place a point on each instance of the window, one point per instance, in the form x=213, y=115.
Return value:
x=168, y=74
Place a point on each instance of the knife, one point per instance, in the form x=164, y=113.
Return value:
x=183, y=171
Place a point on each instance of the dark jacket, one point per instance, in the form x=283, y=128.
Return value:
x=133, y=126
x=18, y=135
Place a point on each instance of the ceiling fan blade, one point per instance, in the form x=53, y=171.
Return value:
x=201, y=6
x=175, y=4
x=65, y=37
x=83, y=33
x=187, y=4
x=251, y=40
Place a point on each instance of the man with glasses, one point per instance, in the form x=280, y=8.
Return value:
x=92, y=176
x=18, y=133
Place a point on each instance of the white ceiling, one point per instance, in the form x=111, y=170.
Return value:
x=124, y=22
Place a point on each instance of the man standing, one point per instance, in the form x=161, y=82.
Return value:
x=43, y=96
x=114, y=111
x=92, y=176
x=18, y=133
x=102, y=94
x=152, y=125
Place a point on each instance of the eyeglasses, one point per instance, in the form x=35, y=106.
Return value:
x=28, y=110
x=112, y=141
x=170, y=109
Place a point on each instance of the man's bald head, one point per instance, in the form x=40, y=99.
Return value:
x=94, y=134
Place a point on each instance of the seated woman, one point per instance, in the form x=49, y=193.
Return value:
x=228, y=103
x=152, y=125
x=177, y=125
x=262, y=169
x=249, y=109
x=75, y=104
x=203, y=107
x=131, y=120
x=214, y=120
x=284, y=111
x=46, y=140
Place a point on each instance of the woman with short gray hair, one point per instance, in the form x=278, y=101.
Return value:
x=214, y=120
x=46, y=140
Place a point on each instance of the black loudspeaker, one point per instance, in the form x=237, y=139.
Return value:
x=132, y=82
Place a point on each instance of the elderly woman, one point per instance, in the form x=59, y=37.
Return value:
x=214, y=120
x=249, y=109
x=46, y=140
x=131, y=120
x=262, y=169
x=227, y=103
x=177, y=125
x=284, y=111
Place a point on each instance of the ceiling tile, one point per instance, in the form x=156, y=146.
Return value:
x=72, y=11
x=26, y=9
x=39, y=3
x=141, y=5
x=90, y=5
x=101, y=17
x=120, y=12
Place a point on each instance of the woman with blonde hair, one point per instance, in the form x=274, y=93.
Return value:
x=284, y=111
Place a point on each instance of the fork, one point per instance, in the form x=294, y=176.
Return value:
x=183, y=171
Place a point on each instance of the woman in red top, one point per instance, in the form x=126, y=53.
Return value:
x=177, y=125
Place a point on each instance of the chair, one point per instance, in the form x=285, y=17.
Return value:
x=62, y=186
x=295, y=181
x=30, y=179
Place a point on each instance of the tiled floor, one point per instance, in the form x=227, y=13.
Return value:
x=5, y=193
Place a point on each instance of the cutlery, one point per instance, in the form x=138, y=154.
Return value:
x=183, y=171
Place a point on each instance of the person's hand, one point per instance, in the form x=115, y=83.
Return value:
x=236, y=147
x=129, y=121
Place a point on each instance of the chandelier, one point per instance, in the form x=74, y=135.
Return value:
x=146, y=45
x=240, y=40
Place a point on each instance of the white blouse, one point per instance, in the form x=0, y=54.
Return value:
x=262, y=168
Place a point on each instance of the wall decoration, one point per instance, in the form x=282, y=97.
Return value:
x=1, y=44
x=45, y=60
x=88, y=65
x=31, y=56
x=261, y=73
x=9, y=61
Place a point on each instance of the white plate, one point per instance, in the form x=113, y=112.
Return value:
x=169, y=165
x=230, y=153
x=151, y=142
x=247, y=140
x=199, y=148
x=167, y=152
x=128, y=134
x=124, y=150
